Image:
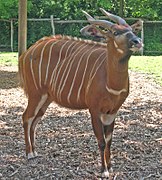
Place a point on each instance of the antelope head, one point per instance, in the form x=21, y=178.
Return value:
x=123, y=35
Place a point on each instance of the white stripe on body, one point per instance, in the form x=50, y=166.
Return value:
x=53, y=86
x=76, y=71
x=49, y=60
x=40, y=62
x=54, y=71
x=23, y=69
x=31, y=65
x=71, y=56
x=68, y=66
x=30, y=59
x=61, y=65
x=91, y=77
x=79, y=90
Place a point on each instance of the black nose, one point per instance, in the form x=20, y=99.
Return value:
x=136, y=40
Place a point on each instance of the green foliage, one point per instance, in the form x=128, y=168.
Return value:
x=148, y=9
x=8, y=9
x=65, y=9
x=71, y=10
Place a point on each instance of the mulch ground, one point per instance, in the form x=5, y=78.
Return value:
x=66, y=142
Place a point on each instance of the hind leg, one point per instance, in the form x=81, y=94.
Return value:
x=34, y=124
x=35, y=103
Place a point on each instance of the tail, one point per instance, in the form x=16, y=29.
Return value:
x=20, y=73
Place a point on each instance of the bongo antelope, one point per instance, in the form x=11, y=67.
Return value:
x=80, y=74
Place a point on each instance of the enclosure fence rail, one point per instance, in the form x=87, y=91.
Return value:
x=8, y=34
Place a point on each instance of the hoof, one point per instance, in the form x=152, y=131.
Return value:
x=106, y=174
x=35, y=154
x=32, y=155
x=111, y=170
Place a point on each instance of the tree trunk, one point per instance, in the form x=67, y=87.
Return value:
x=22, y=37
x=121, y=9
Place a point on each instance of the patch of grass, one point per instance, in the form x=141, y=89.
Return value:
x=8, y=59
x=151, y=65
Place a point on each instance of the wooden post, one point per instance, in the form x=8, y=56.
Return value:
x=52, y=25
x=12, y=33
x=22, y=30
x=142, y=37
x=121, y=9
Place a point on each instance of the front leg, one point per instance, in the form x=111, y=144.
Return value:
x=108, y=131
x=108, y=126
x=98, y=129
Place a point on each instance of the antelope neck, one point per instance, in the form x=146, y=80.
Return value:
x=117, y=70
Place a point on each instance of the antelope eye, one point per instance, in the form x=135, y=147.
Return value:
x=116, y=33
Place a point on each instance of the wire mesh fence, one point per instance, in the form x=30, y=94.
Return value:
x=5, y=37
x=153, y=37
x=38, y=28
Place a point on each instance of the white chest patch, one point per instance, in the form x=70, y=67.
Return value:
x=107, y=119
x=115, y=92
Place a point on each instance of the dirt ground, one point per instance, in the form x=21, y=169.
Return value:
x=66, y=142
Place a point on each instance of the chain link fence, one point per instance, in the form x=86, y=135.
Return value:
x=38, y=28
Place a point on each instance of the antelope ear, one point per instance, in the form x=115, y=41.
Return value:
x=137, y=27
x=92, y=31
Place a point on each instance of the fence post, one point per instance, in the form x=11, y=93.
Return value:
x=22, y=29
x=12, y=33
x=52, y=25
x=142, y=37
